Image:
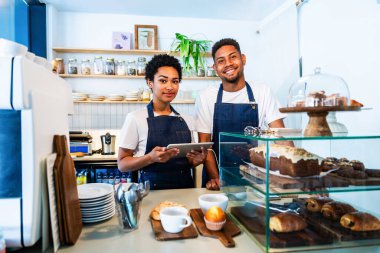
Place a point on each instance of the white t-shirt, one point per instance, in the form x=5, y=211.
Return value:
x=134, y=133
x=204, y=105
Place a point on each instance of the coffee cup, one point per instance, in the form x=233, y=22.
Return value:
x=208, y=200
x=174, y=219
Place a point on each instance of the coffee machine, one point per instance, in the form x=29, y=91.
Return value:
x=34, y=106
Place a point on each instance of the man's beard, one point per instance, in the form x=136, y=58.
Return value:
x=233, y=79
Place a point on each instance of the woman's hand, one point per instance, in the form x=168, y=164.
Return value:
x=162, y=154
x=195, y=158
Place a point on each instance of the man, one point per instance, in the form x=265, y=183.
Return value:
x=231, y=107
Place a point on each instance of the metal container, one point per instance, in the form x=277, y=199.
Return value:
x=108, y=144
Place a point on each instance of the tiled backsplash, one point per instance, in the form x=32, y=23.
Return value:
x=110, y=116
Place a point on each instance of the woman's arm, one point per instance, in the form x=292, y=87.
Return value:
x=126, y=161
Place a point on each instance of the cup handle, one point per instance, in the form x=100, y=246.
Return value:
x=188, y=221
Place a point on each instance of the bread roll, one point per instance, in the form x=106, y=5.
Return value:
x=335, y=210
x=155, y=213
x=286, y=222
x=360, y=221
x=315, y=204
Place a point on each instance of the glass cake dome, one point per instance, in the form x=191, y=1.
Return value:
x=319, y=90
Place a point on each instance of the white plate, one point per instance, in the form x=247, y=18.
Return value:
x=98, y=211
x=94, y=190
x=97, y=208
x=98, y=214
x=96, y=199
x=103, y=202
x=101, y=218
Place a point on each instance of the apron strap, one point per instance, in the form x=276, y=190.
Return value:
x=151, y=112
x=249, y=92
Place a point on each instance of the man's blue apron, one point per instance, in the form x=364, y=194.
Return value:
x=229, y=117
x=162, y=131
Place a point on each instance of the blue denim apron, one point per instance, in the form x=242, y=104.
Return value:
x=162, y=131
x=229, y=117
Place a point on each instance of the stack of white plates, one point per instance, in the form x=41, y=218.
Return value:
x=79, y=96
x=97, y=202
x=115, y=97
x=132, y=95
x=94, y=97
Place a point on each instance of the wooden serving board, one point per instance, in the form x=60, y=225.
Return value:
x=256, y=226
x=333, y=229
x=161, y=235
x=225, y=235
x=293, y=183
x=370, y=181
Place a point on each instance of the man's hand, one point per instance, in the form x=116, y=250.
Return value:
x=195, y=158
x=213, y=184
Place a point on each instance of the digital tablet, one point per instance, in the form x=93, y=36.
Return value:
x=185, y=148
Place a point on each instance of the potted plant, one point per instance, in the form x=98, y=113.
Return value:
x=191, y=49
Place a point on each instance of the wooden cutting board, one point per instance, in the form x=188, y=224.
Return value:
x=292, y=183
x=225, y=235
x=161, y=235
x=256, y=226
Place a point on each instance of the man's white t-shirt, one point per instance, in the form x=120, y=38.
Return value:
x=134, y=133
x=204, y=105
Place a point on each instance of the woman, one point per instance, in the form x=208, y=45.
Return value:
x=147, y=132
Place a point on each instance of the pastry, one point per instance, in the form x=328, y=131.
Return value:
x=155, y=213
x=351, y=173
x=286, y=222
x=343, y=159
x=315, y=204
x=295, y=162
x=356, y=103
x=334, y=210
x=357, y=165
x=315, y=98
x=372, y=172
x=327, y=165
x=360, y=221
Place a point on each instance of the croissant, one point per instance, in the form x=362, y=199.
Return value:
x=335, y=210
x=315, y=204
x=286, y=222
x=360, y=221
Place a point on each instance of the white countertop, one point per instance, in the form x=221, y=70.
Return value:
x=106, y=237
x=95, y=157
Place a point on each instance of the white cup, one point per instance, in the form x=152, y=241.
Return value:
x=174, y=219
x=208, y=200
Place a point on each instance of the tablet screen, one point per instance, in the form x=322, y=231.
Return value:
x=185, y=148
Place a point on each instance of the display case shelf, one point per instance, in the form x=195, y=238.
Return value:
x=129, y=77
x=258, y=195
x=130, y=102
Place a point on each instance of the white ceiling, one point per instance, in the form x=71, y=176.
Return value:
x=254, y=10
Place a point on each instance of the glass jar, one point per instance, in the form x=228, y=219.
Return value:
x=72, y=67
x=98, y=66
x=59, y=66
x=120, y=68
x=141, y=66
x=200, y=72
x=210, y=71
x=109, y=68
x=86, y=67
x=146, y=95
x=2, y=242
x=131, y=68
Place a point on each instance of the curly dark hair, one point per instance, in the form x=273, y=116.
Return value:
x=161, y=60
x=225, y=42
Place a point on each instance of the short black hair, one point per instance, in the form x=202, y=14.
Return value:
x=162, y=60
x=225, y=42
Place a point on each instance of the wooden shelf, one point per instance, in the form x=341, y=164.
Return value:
x=129, y=77
x=130, y=102
x=115, y=51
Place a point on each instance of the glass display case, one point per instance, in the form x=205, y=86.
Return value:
x=309, y=193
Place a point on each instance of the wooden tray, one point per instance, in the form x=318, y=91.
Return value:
x=255, y=224
x=333, y=229
x=252, y=175
x=370, y=181
x=161, y=235
x=225, y=235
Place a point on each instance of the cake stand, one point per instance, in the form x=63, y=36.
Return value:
x=317, y=125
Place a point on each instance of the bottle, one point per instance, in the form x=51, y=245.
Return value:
x=146, y=95
x=109, y=68
x=141, y=64
x=99, y=177
x=2, y=242
x=111, y=178
x=72, y=68
x=58, y=66
x=120, y=68
x=98, y=66
x=86, y=67
x=131, y=68
x=105, y=178
x=117, y=178
x=123, y=178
